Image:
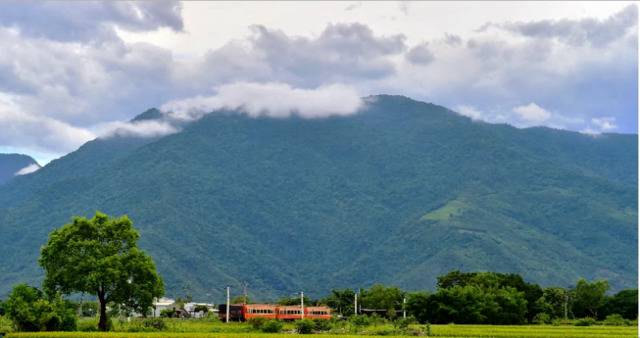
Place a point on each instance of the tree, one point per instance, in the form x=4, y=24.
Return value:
x=341, y=301
x=382, y=297
x=553, y=302
x=100, y=256
x=624, y=303
x=418, y=306
x=30, y=310
x=589, y=297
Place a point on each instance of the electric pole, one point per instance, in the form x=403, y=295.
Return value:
x=404, y=308
x=355, y=303
x=244, y=291
x=226, y=319
x=301, y=304
x=566, y=304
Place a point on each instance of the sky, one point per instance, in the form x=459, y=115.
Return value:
x=74, y=71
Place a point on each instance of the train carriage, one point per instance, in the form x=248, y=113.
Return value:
x=293, y=312
x=267, y=311
x=317, y=312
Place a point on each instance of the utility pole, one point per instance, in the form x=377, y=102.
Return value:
x=244, y=291
x=301, y=304
x=355, y=303
x=566, y=304
x=404, y=308
x=226, y=319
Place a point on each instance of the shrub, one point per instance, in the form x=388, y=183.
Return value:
x=5, y=325
x=271, y=326
x=155, y=323
x=257, y=323
x=29, y=310
x=88, y=326
x=615, y=320
x=360, y=320
x=322, y=325
x=305, y=326
x=167, y=313
x=404, y=323
x=542, y=318
x=587, y=321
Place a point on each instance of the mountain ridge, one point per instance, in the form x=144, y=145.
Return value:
x=290, y=204
x=11, y=164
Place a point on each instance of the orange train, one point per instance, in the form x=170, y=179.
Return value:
x=242, y=312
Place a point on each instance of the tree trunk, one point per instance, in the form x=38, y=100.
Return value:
x=102, y=323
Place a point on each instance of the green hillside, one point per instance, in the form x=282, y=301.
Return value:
x=398, y=193
x=10, y=164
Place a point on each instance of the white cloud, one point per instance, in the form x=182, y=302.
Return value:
x=469, y=111
x=31, y=168
x=532, y=113
x=71, y=77
x=150, y=128
x=606, y=123
x=270, y=99
x=24, y=129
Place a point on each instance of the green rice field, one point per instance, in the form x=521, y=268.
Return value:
x=435, y=331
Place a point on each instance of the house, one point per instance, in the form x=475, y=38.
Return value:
x=191, y=309
x=163, y=304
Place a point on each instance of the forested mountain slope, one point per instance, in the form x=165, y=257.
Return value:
x=11, y=164
x=398, y=193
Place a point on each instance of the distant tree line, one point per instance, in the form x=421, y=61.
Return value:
x=491, y=298
x=100, y=257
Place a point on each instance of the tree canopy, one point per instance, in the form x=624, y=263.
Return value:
x=100, y=256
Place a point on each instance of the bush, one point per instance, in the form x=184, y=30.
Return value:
x=29, y=310
x=257, y=323
x=404, y=323
x=154, y=323
x=360, y=320
x=88, y=325
x=322, y=325
x=5, y=325
x=585, y=322
x=615, y=320
x=271, y=326
x=167, y=313
x=542, y=318
x=305, y=326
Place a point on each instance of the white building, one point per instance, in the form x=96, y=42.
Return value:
x=163, y=304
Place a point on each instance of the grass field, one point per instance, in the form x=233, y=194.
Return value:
x=436, y=331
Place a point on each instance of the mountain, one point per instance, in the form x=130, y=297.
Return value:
x=11, y=164
x=398, y=193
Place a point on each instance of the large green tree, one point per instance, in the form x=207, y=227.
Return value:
x=589, y=297
x=100, y=256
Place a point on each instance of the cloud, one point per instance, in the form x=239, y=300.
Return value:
x=31, y=168
x=24, y=129
x=340, y=53
x=145, y=128
x=420, y=54
x=577, y=32
x=88, y=20
x=604, y=124
x=270, y=99
x=532, y=113
x=469, y=111
x=70, y=78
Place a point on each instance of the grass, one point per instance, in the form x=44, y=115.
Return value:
x=449, y=210
x=214, y=329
